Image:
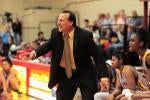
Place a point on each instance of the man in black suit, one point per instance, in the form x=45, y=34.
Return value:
x=83, y=52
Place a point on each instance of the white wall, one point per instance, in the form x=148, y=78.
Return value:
x=38, y=20
x=14, y=6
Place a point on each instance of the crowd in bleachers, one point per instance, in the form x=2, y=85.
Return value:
x=11, y=43
x=112, y=33
x=10, y=34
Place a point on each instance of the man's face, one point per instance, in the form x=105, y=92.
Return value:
x=63, y=23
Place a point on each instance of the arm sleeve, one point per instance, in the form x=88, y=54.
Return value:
x=46, y=47
x=98, y=58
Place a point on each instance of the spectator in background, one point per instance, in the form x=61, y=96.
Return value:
x=41, y=37
x=121, y=17
x=1, y=47
x=135, y=20
x=8, y=79
x=130, y=31
x=17, y=30
x=96, y=37
x=9, y=23
x=112, y=40
x=104, y=22
x=100, y=20
x=96, y=34
x=108, y=20
x=117, y=40
x=5, y=38
x=87, y=25
x=115, y=18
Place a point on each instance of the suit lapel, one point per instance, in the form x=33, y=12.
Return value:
x=60, y=46
x=76, y=40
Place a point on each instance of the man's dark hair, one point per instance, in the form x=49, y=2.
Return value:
x=71, y=16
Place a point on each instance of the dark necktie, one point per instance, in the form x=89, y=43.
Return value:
x=67, y=53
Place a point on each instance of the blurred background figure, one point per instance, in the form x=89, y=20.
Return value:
x=135, y=20
x=41, y=37
x=17, y=30
x=87, y=25
x=6, y=35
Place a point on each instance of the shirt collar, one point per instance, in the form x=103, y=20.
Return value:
x=71, y=34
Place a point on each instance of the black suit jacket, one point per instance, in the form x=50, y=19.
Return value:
x=83, y=49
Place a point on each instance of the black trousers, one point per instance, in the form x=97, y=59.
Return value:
x=67, y=88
